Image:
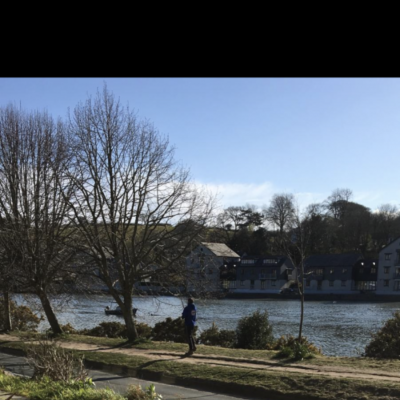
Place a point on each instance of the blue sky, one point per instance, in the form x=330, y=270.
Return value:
x=248, y=138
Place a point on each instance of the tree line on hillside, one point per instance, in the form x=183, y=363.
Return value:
x=337, y=225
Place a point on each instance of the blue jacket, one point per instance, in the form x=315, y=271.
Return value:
x=189, y=314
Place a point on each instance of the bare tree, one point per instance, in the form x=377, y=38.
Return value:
x=33, y=188
x=336, y=203
x=281, y=211
x=132, y=199
x=296, y=242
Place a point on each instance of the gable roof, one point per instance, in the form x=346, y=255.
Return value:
x=332, y=260
x=220, y=249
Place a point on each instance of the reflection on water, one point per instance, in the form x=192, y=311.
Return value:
x=340, y=328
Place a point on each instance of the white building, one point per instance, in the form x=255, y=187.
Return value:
x=204, y=266
x=389, y=269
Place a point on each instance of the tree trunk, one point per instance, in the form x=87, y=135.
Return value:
x=301, y=314
x=128, y=316
x=48, y=310
x=301, y=300
x=7, y=312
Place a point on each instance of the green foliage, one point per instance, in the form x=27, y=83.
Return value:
x=68, y=329
x=107, y=329
x=289, y=342
x=386, y=342
x=116, y=330
x=22, y=317
x=135, y=392
x=45, y=389
x=215, y=337
x=171, y=330
x=254, y=332
x=143, y=330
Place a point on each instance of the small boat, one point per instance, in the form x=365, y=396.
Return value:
x=117, y=311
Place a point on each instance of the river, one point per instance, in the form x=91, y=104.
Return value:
x=339, y=328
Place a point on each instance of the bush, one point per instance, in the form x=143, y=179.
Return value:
x=254, y=332
x=386, y=342
x=22, y=317
x=135, y=392
x=289, y=342
x=45, y=389
x=48, y=359
x=171, y=330
x=215, y=337
x=115, y=330
x=107, y=329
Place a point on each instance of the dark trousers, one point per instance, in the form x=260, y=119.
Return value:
x=189, y=334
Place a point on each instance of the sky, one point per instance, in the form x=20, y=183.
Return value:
x=246, y=139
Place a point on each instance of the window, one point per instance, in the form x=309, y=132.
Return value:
x=397, y=271
x=331, y=271
x=263, y=272
x=344, y=270
x=319, y=271
x=251, y=284
x=373, y=270
x=397, y=286
x=232, y=284
x=319, y=287
x=241, y=283
x=366, y=285
x=247, y=261
x=262, y=284
x=225, y=284
x=242, y=271
x=343, y=283
x=273, y=283
x=386, y=270
x=387, y=256
x=269, y=261
x=308, y=283
x=273, y=273
x=386, y=282
x=330, y=283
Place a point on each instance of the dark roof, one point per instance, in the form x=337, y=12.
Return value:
x=332, y=260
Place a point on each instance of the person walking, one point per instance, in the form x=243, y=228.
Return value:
x=189, y=315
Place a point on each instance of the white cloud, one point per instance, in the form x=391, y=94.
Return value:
x=240, y=194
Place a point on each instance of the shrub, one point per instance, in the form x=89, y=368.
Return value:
x=291, y=342
x=143, y=330
x=386, y=342
x=171, y=330
x=254, y=332
x=107, y=329
x=22, y=317
x=116, y=330
x=48, y=359
x=68, y=328
x=215, y=337
x=135, y=392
